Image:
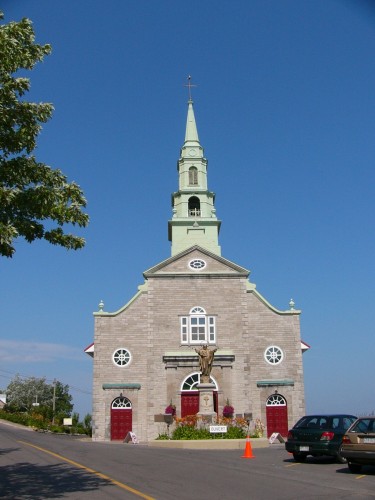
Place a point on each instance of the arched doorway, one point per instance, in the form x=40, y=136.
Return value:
x=277, y=415
x=121, y=418
x=190, y=395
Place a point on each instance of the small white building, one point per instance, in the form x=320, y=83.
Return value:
x=3, y=400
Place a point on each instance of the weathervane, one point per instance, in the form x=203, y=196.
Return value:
x=189, y=85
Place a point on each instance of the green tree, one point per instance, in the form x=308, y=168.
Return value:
x=75, y=418
x=87, y=421
x=36, y=201
x=22, y=394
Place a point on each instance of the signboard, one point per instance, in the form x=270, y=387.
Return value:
x=131, y=437
x=218, y=428
x=159, y=417
x=276, y=436
x=68, y=421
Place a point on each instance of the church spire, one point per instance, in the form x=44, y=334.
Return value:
x=194, y=220
x=191, y=135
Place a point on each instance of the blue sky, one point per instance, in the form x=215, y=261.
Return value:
x=285, y=108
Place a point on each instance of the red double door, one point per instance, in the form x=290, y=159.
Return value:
x=190, y=403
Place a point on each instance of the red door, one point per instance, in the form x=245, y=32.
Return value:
x=277, y=420
x=190, y=403
x=121, y=423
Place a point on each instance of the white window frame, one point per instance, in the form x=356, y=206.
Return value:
x=276, y=400
x=121, y=357
x=197, y=264
x=273, y=355
x=198, y=328
x=121, y=403
x=192, y=380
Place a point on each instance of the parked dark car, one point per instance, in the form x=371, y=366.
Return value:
x=358, y=444
x=318, y=435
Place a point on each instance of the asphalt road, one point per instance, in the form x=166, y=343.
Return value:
x=43, y=466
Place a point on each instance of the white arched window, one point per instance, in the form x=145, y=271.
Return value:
x=276, y=400
x=121, y=403
x=198, y=328
x=191, y=381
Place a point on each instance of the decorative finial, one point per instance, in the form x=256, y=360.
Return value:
x=101, y=306
x=189, y=85
x=291, y=304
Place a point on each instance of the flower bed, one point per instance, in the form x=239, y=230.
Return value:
x=193, y=428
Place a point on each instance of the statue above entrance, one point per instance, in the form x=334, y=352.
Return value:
x=206, y=358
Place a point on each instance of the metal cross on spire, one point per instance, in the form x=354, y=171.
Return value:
x=189, y=85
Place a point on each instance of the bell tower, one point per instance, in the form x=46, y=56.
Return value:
x=194, y=220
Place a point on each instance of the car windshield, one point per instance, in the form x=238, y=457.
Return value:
x=364, y=425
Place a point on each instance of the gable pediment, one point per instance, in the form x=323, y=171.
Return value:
x=179, y=265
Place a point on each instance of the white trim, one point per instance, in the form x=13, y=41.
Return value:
x=304, y=346
x=194, y=388
x=126, y=355
x=124, y=403
x=204, y=326
x=197, y=310
x=202, y=264
x=273, y=358
x=276, y=400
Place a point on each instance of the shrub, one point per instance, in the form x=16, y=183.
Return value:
x=234, y=432
x=162, y=437
x=186, y=428
x=58, y=429
x=190, y=432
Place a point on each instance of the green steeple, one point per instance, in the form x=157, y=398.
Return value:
x=194, y=220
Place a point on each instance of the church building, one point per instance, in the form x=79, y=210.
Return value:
x=144, y=354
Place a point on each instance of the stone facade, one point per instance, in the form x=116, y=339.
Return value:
x=149, y=328
x=145, y=352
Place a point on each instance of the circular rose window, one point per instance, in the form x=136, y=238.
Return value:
x=197, y=264
x=121, y=357
x=273, y=355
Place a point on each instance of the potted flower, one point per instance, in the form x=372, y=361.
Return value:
x=228, y=410
x=169, y=414
x=170, y=409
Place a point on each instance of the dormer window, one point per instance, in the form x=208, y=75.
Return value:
x=194, y=207
x=193, y=176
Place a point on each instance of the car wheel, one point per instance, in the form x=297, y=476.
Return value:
x=340, y=459
x=299, y=457
x=355, y=468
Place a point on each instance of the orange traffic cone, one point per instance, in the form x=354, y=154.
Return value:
x=248, y=451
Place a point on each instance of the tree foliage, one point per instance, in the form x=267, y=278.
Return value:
x=22, y=394
x=36, y=201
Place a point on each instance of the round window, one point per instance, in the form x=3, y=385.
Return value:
x=197, y=264
x=273, y=355
x=121, y=357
